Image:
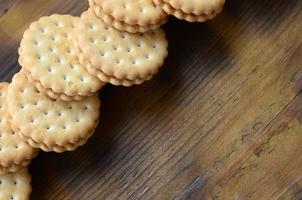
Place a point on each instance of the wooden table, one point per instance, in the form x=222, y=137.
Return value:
x=222, y=120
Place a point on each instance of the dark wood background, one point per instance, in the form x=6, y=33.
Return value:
x=222, y=120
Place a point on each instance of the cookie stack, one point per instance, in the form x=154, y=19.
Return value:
x=15, y=155
x=191, y=10
x=128, y=15
x=120, y=58
x=52, y=102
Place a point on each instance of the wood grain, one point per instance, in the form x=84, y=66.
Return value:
x=221, y=121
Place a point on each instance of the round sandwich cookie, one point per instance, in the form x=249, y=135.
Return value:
x=129, y=15
x=48, y=57
x=192, y=10
x=48, y=124
x=119, y=58
x=15, y=185
x=14, y=152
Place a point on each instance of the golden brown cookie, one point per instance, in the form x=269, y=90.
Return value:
x=14, y=152
x=47, y=53
x=52, y=125
x=15, y=185
x=129, y=15
x=119, y=58
x=192, y=10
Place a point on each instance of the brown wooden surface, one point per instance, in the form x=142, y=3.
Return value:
x=221, y=121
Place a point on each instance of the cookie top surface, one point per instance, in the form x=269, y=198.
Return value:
x=48, y=121
x=12, y=149
x=133, y=12
x=196, y=7
x=47, y=52
x=15, y=185
x=120, y=54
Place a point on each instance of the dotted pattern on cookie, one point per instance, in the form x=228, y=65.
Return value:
x=103, y=77
x=15, y=186
x=132, y=12
x=185, y=16
x=47, y=121
x=51, y=93
x=14, y=152
x=47, y=53
x=56, y=148
x=122, y=26
x=119, y=54
x=196, y=7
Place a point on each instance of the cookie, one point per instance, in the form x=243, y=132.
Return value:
x=14, y=152
x=15, y=185
x=52, y=125
x=48, y=56
x=129, y=15
x=119, y=58
x=192, y=10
